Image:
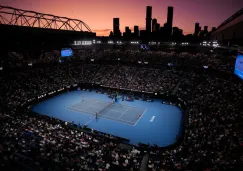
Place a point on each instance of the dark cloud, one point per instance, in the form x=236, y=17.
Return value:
x=102, y=32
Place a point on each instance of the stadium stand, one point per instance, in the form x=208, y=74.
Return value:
x=213, y=134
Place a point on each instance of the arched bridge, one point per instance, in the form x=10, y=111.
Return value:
x=19, y=17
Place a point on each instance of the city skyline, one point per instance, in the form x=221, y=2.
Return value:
x=99, y=14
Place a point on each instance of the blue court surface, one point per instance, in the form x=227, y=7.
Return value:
x=158, y=123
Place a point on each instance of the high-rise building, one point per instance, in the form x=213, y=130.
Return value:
x=205, y=29
x=181, y=31
x=116, y=27
x=136, y=31
x=157, y=27
x=213, y=28
x=162, y=31
x=148, y=18
x=143, y=34
x=196, y=30
x=170, y=20
x=166, y=29
x=177, y=33
x=111, y=34
x=203, y=32
x=175, y=29
x=154, y=23
x=127, y=30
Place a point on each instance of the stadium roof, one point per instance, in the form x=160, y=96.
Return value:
x=233, y=17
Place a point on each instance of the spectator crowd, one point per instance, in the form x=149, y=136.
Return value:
x=213, y=133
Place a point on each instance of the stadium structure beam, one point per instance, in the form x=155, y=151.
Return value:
x=19, y=17
x=237, y=14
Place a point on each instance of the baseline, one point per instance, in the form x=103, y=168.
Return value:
x=140, y=117
x=123, y=113
x=90, y=120
x=80, y=111
x=118, y=120
x=128, y=106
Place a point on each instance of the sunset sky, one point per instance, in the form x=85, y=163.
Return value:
x=99, y=14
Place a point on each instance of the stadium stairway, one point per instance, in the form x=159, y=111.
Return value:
x=92, y=80
x=179, y=82
x=144, y=163
x=114, y=69
x=132, y=79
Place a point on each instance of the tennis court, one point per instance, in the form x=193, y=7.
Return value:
x=158, y=124
x=108, y=110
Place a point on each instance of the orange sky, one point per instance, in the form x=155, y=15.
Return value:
x=99, y=14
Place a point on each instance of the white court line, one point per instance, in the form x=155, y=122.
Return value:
x=96, y=106
x=89, y=105
x=123, y=113
x=93, y=106
x=115, y=118
x=113, y=104
x=118, y=121
x=140, y=117
x=90, y=121
x=77, y=102
x=115, y=110
x=104, y=116
x=128, y=106
x=122, y=120
x=83, y=110
x=98, y=100
x=108, y=109
x=80, y=111
x=74, y=104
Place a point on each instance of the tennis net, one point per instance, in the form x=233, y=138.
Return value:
x=107, y=106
